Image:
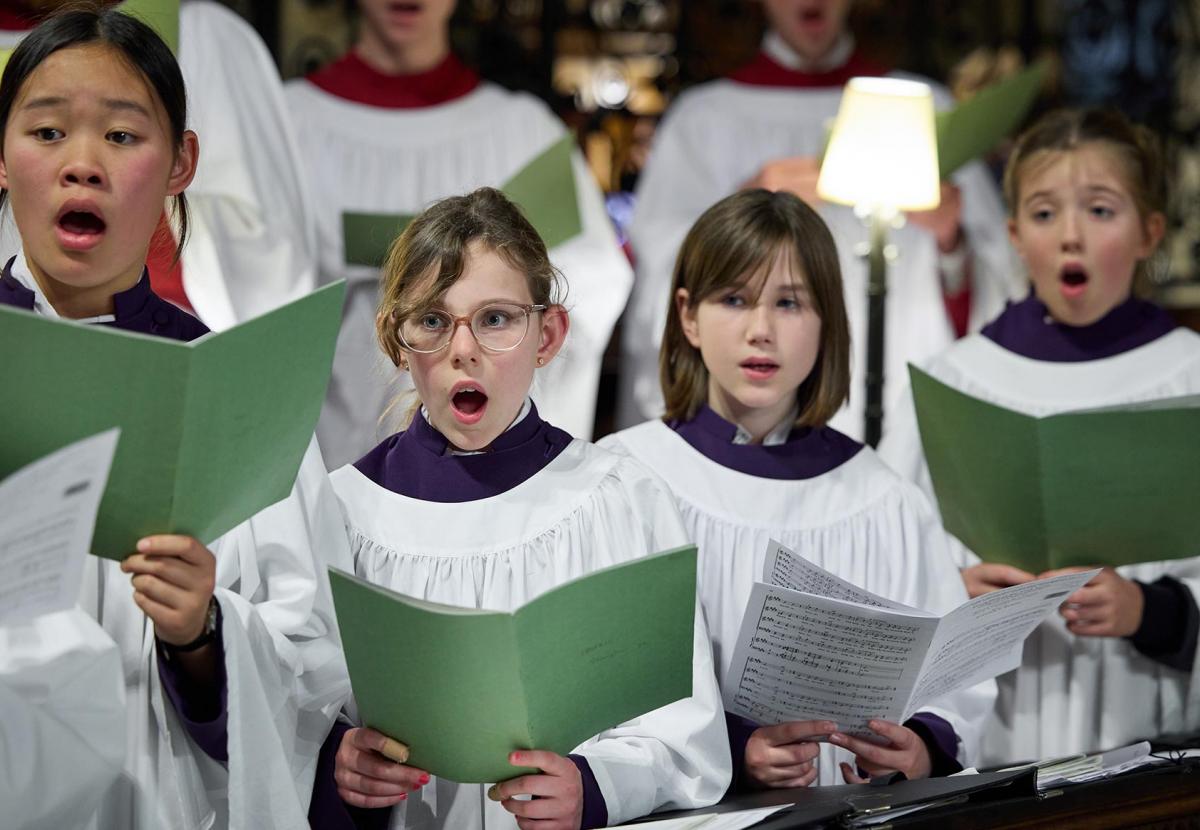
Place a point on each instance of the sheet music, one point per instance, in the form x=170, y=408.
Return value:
x=846, y=656
x=787, y=569
x=47, y=514
x=984, y=637
x=803, y=657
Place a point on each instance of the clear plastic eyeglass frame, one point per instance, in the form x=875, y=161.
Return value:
x=471, y=321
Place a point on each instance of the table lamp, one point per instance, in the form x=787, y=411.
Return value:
x=881, y=159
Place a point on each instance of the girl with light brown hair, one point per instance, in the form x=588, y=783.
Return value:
x=481, y=503
x=754, y=363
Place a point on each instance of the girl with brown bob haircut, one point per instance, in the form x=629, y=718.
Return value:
x=480, y=503
x=734, y=243
x=754, y=362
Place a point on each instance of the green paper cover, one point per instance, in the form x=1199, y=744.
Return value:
x=212, y=431
x=464, y=687
x=1110, y=486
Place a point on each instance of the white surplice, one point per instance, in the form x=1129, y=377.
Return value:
x=859, y=521
x=286, y=676
x=62, y=720
x=588, y=509
x=252, y=238
x=717, y=136
x=375, y=160
x=1071, y=694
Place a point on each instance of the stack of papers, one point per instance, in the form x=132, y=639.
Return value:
x=1083, y=768
x=718, y=821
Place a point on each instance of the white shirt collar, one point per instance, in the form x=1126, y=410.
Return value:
x=778, y=434
x=22, y=274
x=779, y=51
x=525, y=410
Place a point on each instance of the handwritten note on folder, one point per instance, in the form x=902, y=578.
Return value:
x=814, y=647
x=463, y=687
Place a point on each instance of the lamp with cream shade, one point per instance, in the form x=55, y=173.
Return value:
x=881, y=159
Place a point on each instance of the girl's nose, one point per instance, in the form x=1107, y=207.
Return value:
x=1071, y=239
x=761, y=328
x=464, y=348
x=83, y=169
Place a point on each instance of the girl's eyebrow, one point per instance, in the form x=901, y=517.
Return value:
x=115, y=104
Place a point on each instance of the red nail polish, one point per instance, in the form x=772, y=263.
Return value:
x=424, y=779
x=403, y=796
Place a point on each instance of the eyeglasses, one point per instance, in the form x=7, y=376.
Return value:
x=497, y=327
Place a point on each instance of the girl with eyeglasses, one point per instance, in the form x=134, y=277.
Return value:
x=481, y=503
x=396, y=123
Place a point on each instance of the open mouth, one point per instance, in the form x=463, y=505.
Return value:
x=79, y=227
x=468, y=403
x=81, y=222
x=812, y=18
x=1073, y=279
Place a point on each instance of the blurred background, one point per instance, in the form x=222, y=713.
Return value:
x=611, y=67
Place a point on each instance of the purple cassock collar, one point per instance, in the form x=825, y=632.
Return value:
x=1027, y=329
x=136, y=309
x=417, y=462
x=808, y=452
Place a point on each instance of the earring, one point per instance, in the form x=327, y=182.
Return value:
x=541, y=361
x=404, y=364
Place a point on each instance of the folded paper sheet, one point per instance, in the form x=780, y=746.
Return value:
x=847, y=655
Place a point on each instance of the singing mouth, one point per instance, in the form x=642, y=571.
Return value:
x=468, y=402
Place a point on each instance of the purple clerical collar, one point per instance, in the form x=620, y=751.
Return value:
x=1027, y=329
x=808, y=452
x=415, y=463
x=136, y=309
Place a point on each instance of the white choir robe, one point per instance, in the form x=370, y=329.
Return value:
x=252, y=232
x=252, y=238
x=62, y=720
x=588, y=509
x=286, y=675
x=716, y=137
x=1071, y=694
x=375, y=160
x=859, y=521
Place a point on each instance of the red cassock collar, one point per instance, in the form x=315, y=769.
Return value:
x=766, y=71
x=351, y=78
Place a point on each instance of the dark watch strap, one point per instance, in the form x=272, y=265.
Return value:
x=212, y=624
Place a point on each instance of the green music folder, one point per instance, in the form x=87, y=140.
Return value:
x=212, y=431
x=464, y=687
x=544, y=188
x=975, y=126
x=1109, y=486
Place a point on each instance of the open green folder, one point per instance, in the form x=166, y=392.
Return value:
x=212, y=431
x=1096, y=487
x=975, y=126
x=464, y=687
x=544, y=188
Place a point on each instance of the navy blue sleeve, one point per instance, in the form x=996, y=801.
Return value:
x=1170, y=624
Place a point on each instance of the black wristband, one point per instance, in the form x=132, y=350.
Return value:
x=212, y=624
